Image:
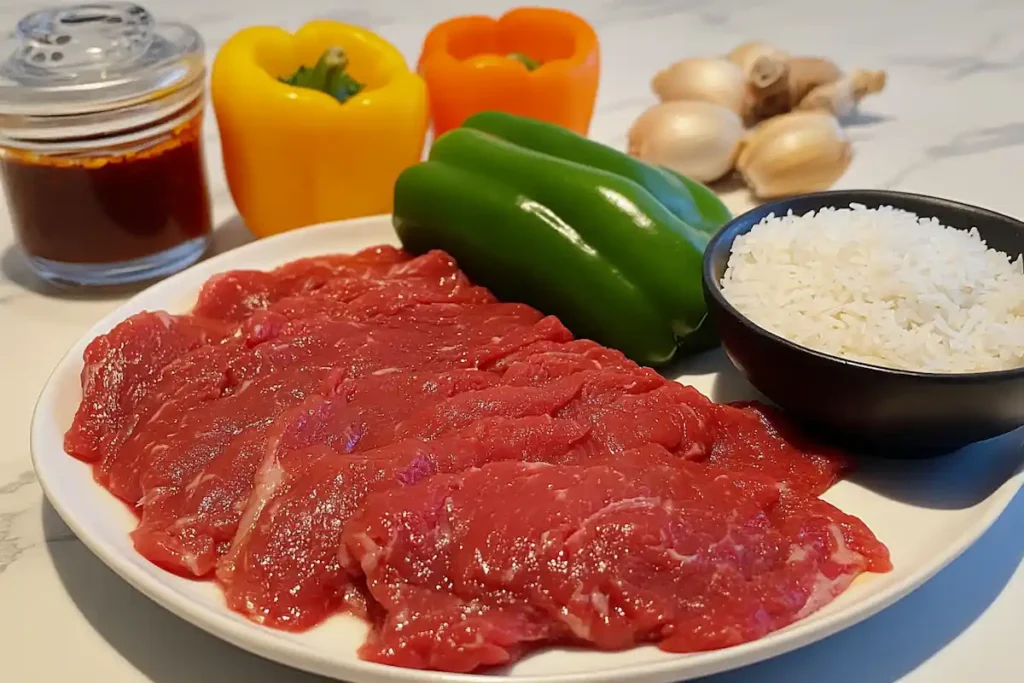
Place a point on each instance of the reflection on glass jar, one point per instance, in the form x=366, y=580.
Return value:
x=101, y=144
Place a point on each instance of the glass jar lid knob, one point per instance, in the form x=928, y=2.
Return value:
x=60, y=43
x=94, y=56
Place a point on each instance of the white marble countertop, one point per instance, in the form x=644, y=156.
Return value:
x=948, y=124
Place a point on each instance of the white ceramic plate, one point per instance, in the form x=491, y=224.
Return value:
x=927, y=513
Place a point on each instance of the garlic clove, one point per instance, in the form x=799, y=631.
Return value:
x=808, y=73
x=795, y=153
x=841, y=97
x=705, y=79
x=744, y=56
x=698, y=139
x=867, y=82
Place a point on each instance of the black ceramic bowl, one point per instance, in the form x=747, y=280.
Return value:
x=891, y=413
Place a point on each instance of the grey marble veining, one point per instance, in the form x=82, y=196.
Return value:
x=965, y=143
x=19, y=512
x=950, y=123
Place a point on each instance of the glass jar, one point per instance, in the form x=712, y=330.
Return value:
x=101, y=113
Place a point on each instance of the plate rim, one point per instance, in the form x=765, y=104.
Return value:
x=262, y=642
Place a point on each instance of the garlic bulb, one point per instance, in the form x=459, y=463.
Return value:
x=746, y=54
x=697, y=139
x=802, y=151
x=708, y=80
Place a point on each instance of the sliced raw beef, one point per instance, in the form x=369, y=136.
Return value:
x=130, y=385
x=463, y=410
x=190, y=389
x=234, y=295
x=627, y=405
x=310, y=283
x=174, y=444
x=340, y=426
x=581, y=353
x=638, y=548
x=240, y=420
x=758, y=438
x=528, y=367
x=421, y=336
x=184, y=439
x=186, y=529
x=375, y=433
x=283, y=568
x=365, y=299
x=193, y=471
x=120, y=367
x=622, y=411
x=630, y=411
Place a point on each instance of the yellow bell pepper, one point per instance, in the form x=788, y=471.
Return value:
x=294, y=156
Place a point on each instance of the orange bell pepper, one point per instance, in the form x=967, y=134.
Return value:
x=295, y=156
x=533, y=62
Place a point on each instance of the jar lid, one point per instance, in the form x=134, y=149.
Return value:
x=95, y=57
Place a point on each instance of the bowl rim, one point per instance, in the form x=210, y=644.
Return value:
x=727, y=234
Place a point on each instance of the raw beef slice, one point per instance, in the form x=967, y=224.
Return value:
x=757, y=439
x=120, y=367
x=186, y=529
x=638, y=548
x=234, y=295
x=192, y=470
x=282, y=569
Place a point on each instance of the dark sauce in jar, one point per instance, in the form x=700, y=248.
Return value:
x=110, y=208
x=101, y=115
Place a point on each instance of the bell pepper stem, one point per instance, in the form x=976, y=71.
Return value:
x=327, y=76
x=527, y=61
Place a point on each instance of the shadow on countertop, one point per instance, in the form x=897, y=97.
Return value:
x=950, y=482
x=229, y=235
x=14, y=268
x=162, y=647
x=926, y=621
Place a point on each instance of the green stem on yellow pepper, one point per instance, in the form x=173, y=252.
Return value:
x=328, y=76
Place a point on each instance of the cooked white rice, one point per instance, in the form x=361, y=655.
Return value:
x=882, y=286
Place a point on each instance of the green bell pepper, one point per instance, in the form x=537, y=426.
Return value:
x=689, y=200
x=573, y=239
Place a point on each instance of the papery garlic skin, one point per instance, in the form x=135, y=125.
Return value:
x=703, y=79
x=841, y=97
x=807, y=73
x=698, y=139
x=795, y=153
x=744, y=56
